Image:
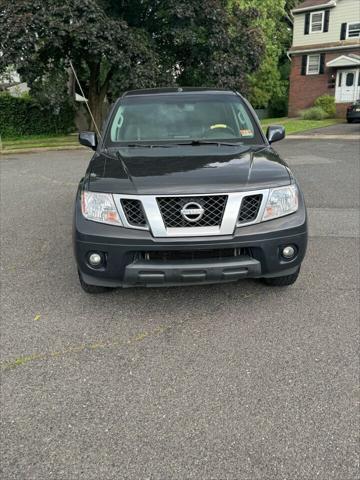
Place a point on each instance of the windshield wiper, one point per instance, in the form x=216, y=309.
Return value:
x=191, y=142
x=210, y=142
x=151, y=145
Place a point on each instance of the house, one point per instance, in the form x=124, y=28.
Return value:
x=10, y=82
x=325, y=53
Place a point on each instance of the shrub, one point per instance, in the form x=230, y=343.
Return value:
x=26, y=116
x=314, y=113
x=327, y=103
x=278, y=106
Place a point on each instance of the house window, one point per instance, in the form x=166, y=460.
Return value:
x=317, y=22
x=353, y=30
x=350, y=79
x=313, y=65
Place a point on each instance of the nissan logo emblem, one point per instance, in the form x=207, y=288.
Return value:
x=192, y=212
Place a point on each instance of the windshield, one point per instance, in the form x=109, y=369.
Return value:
x=182, y=118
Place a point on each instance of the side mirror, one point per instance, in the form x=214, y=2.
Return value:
x=275, y=133
x=88, y=139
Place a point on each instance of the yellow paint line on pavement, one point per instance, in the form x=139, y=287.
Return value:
x=20, y=361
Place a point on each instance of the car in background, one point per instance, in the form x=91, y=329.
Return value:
x=353, y=112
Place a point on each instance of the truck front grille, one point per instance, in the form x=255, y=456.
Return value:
x=134, y=212
x=249, y=208
x=213, y=207
x=190, y=255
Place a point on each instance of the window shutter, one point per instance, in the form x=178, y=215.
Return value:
x=322, y=63
x=326, y=20
x=307, y=24
x=303, y=64
x=343, y=31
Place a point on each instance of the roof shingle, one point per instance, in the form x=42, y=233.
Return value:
x=311, y=4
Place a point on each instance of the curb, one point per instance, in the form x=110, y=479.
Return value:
x=316, y=136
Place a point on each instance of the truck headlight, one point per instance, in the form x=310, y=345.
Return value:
x=282, y=201
x=99, y=207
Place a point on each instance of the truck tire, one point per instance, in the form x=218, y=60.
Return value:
x=92, y=289
x=282, y=281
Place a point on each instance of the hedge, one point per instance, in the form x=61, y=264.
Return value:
x=26, y=116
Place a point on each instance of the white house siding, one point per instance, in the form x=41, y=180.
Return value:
x=346, y=11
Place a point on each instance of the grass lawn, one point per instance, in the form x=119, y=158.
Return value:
x=296, y=125
x=37, y=141
x=292, y=125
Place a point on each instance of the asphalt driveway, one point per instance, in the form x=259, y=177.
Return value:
x=237, y=381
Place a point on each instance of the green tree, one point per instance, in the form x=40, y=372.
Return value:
x=202, y=43
x=116, y=45
x=38, y=35
x=290, y=4
x=273, y=22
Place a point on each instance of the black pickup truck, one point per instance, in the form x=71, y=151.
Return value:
x=184, y=188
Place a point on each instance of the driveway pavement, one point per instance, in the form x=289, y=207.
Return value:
x=237, y=381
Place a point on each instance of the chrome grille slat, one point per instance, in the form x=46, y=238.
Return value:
x=213, y=205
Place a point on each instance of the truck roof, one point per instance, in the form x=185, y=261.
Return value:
x=167, y=90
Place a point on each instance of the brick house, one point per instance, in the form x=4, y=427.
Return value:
x=325, y=53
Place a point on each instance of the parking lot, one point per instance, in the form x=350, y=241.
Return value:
x=233, y=381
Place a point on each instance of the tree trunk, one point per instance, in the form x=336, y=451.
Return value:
x=96, y=102
x=96, y=97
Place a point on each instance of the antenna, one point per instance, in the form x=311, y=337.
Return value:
x=86, y=100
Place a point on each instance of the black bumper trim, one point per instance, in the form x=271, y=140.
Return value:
x=157, y=273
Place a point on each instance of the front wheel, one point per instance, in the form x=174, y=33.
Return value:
x=92, y=289
x=349, y=120
x=282, y=281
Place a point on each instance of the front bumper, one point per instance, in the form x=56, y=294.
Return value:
x=127, y=251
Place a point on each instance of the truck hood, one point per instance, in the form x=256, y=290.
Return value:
x=186, y=170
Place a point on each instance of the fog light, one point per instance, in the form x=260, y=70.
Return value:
x=288, y=252
x=95, y=259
